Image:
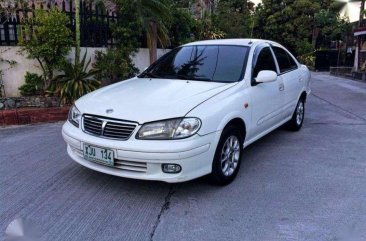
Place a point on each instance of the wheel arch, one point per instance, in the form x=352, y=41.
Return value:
x=303, y=96
x=240, y=123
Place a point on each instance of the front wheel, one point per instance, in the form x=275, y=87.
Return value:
x=297, y=119
x=228, y=155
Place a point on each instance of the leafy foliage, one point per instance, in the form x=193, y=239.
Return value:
x=46, y=38
x=149, y=16
x=76, y=81
x=286, y=21
x=33, y=85
x=181, y=26
x=332, y=27
x=206, y=29
x=292, y=22
x=234, y=18
x=308, y=60
x=114, y=65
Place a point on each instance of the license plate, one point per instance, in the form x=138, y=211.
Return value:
x=97, y=154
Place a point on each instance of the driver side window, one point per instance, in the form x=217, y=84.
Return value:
x=265, y=61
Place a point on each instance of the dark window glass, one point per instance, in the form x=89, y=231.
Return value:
x=230, y=63
x=265, y=61
x=285, y=61
x=203, y=62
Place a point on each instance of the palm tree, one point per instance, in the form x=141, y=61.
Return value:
x=151, y=14
x=362, y=12
x=77, y=31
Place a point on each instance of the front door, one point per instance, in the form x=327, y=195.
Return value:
x=267, y=98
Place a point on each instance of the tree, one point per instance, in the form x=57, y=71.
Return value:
x=286, y=21
x=331, y=27
x=234, y=17
x=46, y=38
x=77, y=78
x=151, y=14
x=77, y=31
x=116, y=63
x=362, y=12
x=181, y=25
x=206, y=29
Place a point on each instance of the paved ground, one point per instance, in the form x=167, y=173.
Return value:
x=309, y=185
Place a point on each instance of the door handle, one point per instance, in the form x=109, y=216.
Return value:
x=281, y=87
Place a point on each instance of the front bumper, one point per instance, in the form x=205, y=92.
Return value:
x=142, y=159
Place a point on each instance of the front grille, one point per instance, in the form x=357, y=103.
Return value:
x=109, y=128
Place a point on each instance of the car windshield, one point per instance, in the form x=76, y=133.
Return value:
x=217, y=63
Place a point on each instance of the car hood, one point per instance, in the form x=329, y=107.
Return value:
x=144, y=100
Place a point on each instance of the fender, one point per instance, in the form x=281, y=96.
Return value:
x=216, y=112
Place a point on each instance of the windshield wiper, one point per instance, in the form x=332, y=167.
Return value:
x=149, y=75
x=185, y=77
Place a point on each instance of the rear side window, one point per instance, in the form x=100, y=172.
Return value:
x=264, y=61
x=285, y=61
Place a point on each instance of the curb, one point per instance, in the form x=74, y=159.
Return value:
x=33, y=115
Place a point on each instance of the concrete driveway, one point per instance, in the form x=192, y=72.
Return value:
x=309, y=185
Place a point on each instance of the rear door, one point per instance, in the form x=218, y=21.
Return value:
x=291, y=75
x=267, y=98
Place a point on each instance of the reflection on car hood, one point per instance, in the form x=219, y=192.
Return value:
x=143, y=100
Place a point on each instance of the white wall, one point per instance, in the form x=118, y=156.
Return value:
x=142, y=60
x=13, y=78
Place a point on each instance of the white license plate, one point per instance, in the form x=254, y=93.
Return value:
x=97, y=154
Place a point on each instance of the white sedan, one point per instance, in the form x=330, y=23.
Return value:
x=191, y=113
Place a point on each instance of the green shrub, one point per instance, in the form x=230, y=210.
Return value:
x=77, y=80
x=114, y=65
x=46, y=38
x=33, y=85
x=308, y=60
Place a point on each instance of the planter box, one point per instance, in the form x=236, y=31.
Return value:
x=33, y=115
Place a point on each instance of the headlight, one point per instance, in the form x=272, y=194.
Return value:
x=74, y=116
x=169, y=129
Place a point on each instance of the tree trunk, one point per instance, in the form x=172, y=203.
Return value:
x=153, y=42
x=361, y=13
x=77, y=31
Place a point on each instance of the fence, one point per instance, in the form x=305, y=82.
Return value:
x=95, y=23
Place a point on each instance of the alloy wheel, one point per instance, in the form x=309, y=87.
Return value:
x=230, y=155
x=300, y=113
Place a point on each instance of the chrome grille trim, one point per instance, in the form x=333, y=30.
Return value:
x=130, y=165
x=107, y=127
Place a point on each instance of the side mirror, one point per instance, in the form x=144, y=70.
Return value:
x=265, y=76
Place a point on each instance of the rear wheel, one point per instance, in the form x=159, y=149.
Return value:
x=228, y=155
x=297, y=119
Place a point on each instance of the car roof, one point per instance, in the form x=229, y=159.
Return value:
x=239, y=42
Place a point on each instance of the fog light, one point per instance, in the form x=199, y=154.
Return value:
x=171, y=168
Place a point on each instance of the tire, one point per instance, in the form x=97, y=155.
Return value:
x=297, y=119
x=231, y=145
